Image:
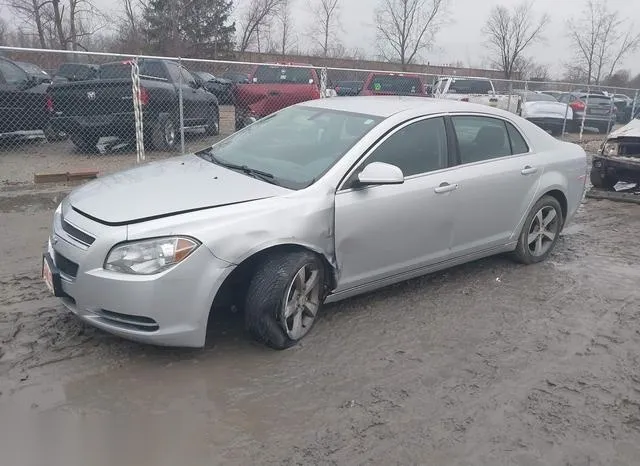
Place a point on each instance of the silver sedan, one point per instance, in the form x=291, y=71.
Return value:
x=319, y=202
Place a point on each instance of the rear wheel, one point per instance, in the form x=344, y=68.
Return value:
x=540, y=232
x=601, y=180
x=85, y=142
x=284, y=298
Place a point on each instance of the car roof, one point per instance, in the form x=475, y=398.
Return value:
x=386, y=106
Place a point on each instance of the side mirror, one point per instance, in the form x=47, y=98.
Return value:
x=378, y=173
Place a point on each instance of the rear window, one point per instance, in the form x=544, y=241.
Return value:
x=470, y=86
x=78, y=72
x=597, y=98
x=123, y=70
x=282, y=74
x=396, y=84
x=535, y=97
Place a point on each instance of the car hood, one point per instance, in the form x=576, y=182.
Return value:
x=630, y=130
x=180, y=185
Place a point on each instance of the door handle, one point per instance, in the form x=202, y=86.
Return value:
x=529, y=170
x=445, y=188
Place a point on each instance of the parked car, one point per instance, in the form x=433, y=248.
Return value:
x=346, y=88
x=321, y=201
x=23, y=103
x=89, y=110
x=272, y=88
x=475, y=90
x=600, y=111
x=75, y=72
x=619, y=158
x=545, y=111
x=393, y=84
x=220, y=87
x=624, y=106
x=34, y=71
x=236, y=77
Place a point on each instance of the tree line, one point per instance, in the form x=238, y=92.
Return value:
x=406, y=31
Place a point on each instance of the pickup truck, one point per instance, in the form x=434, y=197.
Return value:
x=102, y=107
x=23, y=103
x=273, y=87
x=475, y=90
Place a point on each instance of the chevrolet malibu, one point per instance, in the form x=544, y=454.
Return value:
x=318, y=202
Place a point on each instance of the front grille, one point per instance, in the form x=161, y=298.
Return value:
x=66, y=267
x=76, y=234
x=140, y=323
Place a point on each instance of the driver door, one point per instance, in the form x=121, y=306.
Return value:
x=388, y=231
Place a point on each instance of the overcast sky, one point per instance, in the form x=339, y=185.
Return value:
x=461, y=40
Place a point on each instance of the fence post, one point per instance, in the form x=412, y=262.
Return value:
x=510, y=91
x=181, y=108
x=610, y=125
x=566, y=115
x=137, y=110
x=323, y=82
x=584, y=114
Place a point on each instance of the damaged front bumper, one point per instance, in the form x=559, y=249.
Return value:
x=619, y=159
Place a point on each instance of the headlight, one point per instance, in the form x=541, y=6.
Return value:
x=610, y=148
x=150, y=256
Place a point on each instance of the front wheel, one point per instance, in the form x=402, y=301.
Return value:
x=213, y=123
x=540, y=232
x=601, y=180
x=163, y=134
x=85, y=142
x=284, y=298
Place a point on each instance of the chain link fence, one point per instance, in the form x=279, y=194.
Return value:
x=97, y=109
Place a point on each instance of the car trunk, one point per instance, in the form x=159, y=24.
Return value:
x=546, y=109
x=265, y=99
x=599, y=106
x=104, y=97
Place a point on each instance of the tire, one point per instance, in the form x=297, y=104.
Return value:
x=213, y=123
x=239, y=124
x=601, y=180
x=530, y=251
x=54, y=136
x=164, y=135
x=278, y=281
x=85, y=142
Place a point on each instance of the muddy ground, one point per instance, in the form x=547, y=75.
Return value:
x=491, y=363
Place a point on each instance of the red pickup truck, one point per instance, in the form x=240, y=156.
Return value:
x=273, y=87
x=393, y=84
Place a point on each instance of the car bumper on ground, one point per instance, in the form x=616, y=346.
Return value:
x=170, y=308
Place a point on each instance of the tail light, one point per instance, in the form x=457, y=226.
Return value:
x=144, y=96
x=49, y=104
x=578, y=106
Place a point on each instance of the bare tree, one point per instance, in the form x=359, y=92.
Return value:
x=257, y=15
x=510, y=32
x=286, y=35
x=601, y=40
x=32, y=12
x=326, y=21
x=405, y=28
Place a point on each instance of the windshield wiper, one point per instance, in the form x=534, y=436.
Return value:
x=259, y=174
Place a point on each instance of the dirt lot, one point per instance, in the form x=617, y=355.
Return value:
x=491, y=363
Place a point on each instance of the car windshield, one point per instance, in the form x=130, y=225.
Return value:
x=74, y=71
x=282, y=74
x=535, y=97
x=31, y=68
x=295, y=146
x=395, y=84
x=351, y=84
x=204, y=76
x=122, y=70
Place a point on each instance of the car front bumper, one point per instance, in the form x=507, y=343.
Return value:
x=626, y=169
x=170, y=308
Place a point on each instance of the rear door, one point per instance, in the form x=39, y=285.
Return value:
x=14, y=111
x=498, y=178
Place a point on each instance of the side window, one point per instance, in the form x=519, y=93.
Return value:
x=481, y=138
x=154, y=69
x=13, y=75
x=187, y=78
x=420, y=147
x=174, y=71
x=518, y=144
